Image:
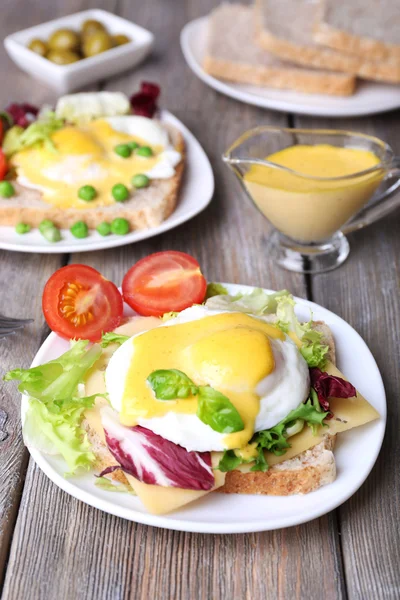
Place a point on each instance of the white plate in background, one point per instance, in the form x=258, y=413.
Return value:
x=369, y=98
x=196, y=192
x=355, y=452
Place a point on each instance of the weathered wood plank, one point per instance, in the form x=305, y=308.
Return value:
x=365, y=292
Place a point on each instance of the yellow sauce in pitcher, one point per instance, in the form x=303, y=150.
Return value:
x=311, y=210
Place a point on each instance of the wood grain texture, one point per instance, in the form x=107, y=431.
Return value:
x=365, y=292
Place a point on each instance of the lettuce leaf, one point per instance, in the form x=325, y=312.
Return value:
x=58, y=379
x=59, y=432
x=275, y=439
x=113, y=338
x=55, y=411
x=39, y=132
x=105, y=484
x=215, y=289
x=257, y=302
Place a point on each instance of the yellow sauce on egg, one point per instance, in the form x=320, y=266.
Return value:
x=231, y=352
x=83, y=155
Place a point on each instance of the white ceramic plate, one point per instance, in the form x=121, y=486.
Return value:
x=370, y=98
x=356, y=452
x=195, y=194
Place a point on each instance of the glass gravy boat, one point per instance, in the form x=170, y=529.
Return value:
x=310, y=215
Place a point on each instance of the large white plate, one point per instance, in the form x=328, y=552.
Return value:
x=356, y=452
x=370, y=98
x=195, y=194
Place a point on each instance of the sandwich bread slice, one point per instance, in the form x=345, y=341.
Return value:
x=148, y=207
x=370, y=29
x=294, y=39
x=232, y=54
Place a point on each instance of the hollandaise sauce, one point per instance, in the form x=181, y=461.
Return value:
x=307, y=209
x=86, y=155
x=231, y=352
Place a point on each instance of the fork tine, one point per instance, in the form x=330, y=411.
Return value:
x=4, y=321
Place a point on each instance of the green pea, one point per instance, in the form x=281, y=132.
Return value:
x=87, y=193
x=120, y=192
x=46, y=224
x=144, y=151
x=119, y=226
x=6, y=189
x=79, y=229
x=51, y=234
x=123, y=150
x=22, y=228
x=140, y=181
x=133, y=145
x=104, y=228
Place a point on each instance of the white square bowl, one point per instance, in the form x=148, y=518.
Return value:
x=65, y=78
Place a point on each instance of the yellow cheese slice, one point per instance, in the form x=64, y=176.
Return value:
x=348, y=413
x=160, y=500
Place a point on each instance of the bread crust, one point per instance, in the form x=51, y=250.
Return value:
x=362, y=46
x=148, y=207
x=321, y=57
x=307, y=80
x=299, y=475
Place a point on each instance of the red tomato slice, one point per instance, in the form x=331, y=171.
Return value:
x=3, y=165
x=164, y=282
x=78, y=302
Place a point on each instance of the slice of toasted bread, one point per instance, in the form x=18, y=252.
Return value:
x=294, y=39
x=302, y=474
x=148, y=207
x=364, y=28
x=299, y=475
x=233, y=55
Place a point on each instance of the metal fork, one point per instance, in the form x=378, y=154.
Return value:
x=9, y=326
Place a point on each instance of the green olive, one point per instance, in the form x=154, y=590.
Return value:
x=120, y=39
x=38, y=46
x=96, y=43
x=91, y=26
x=63, y=57
x=64, y=39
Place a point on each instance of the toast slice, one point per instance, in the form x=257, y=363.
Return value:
x=301, y=474
x=294, y=39
x=148, y=207
x=233, y=55
x=363, y=28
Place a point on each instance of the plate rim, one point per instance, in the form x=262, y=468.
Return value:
x=191, y=29
x=142, y=234
x=168, y=522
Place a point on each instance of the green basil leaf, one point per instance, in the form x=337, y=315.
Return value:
x=112, y=338
x=171, y=384
x=217, y=411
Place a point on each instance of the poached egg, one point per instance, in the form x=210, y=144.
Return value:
x=246, y=358
x=85, y=154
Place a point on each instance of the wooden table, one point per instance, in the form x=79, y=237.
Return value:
x=54, y=547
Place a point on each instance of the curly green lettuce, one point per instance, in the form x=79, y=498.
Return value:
x=56, y=407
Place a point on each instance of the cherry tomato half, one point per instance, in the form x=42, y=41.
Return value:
x=78, y=302
x=3, y=165
x=164, y=282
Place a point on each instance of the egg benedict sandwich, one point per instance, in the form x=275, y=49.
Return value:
x=92, y=160
x=233, y=395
